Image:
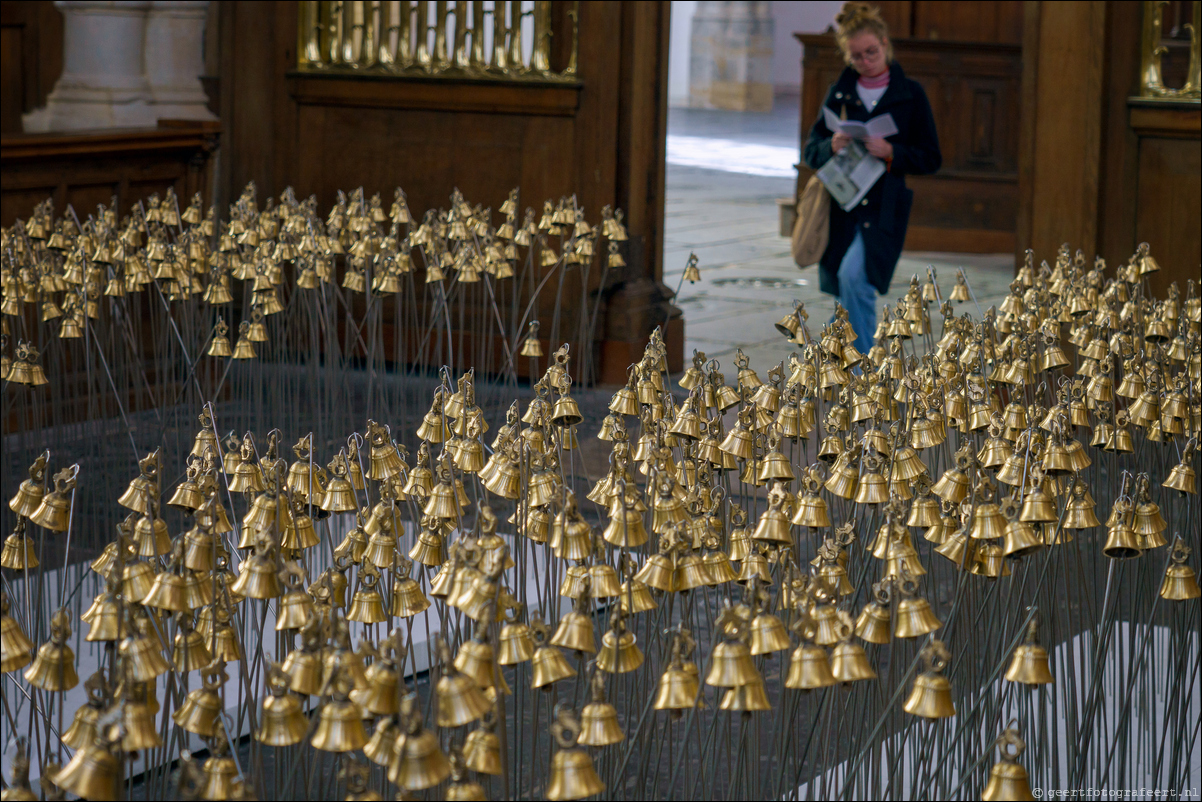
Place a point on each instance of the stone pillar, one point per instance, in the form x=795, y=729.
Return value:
x=103, y=84
x=730, y=64
x=175, y=59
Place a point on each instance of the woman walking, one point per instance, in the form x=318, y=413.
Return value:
x=866, y=242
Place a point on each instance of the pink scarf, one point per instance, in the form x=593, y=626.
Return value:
x=874, y=82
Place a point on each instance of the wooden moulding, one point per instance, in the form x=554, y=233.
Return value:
x=557, y=99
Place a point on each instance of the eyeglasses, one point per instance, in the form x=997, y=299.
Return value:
x=868, y=55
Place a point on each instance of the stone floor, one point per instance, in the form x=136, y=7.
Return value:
x=725, y=172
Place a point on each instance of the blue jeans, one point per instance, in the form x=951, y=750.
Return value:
x=856, y=295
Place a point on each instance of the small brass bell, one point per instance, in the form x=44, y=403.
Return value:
x=873, y=624
x=138, y=719
x=417, y=761
x=29, y=494
x=460, y=700
x=54, y=511
x=296, y=604
x=18, y=551
x=383, y=739
x=730, y=663
x=341, y=726
x=202, y=707
x=914, y=615
x=84, y=726
x=619, y=651
x=482, y=749
x=932, y=694
x=572, y=774
x=94, y=772
x=54, y=667
x=599, y=719
x=367, y=606
x=575, y=632
x=1030, y=664
x=258, y=578
x=407, y=597
x=809, y=668
x=773, y=526
x=1007, y=779
x=548, y=663
x=1180, y=581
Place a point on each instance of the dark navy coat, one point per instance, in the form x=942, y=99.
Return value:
x=884, y=212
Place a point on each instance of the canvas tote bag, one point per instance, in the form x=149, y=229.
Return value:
x=811, y=229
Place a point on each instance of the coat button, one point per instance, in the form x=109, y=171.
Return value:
x=838, y=95
x=864, y=202
x=867, y=225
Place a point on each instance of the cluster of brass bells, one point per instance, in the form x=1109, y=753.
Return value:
x=65, y=269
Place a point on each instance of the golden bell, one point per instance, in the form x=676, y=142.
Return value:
x=1038, y=507
x=873, y=623
x=1030, y=665
x=189, y=652
x=380, y=697
x=340, y=728
x=843, y=479
x=932, y=694
x=599, y=725
x=475, y=659
x=809, y=668
x=54, y=667
x=636, y=597
x=811, y=511
x=1021, y=539
x=754, y=567
x=383, y=740
x=367, y=605
x=460, y=700
x=691, y=573
x=94, y=772
x=1121, y=542
x=1007, y=779
x=30, y=492
x=258, y=579
x=138, y=720
x=619, y=654
x=1180, y=582
x=575, y=631
x=746, y=698
x=417, y=762
x=54, y=511
x=768, y=634
x=549, y=665
x=773, y=526
x=915, y=618
x=83, y=727
x=482, y=751
x=731, y=665
x=849, y=663
x=573, y=776
x=953, y=486
x=679, y=687
x=304, y=669
x=167, y=593
x=200, y=711
x=407, y=598
x=143, y=657
x=18, y=552
x=516, y=644
x=658, y=572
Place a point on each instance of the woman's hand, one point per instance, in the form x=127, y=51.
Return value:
x=839, y=141
x=881, y=148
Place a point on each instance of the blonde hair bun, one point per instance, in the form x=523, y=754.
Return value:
x=857, y=17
